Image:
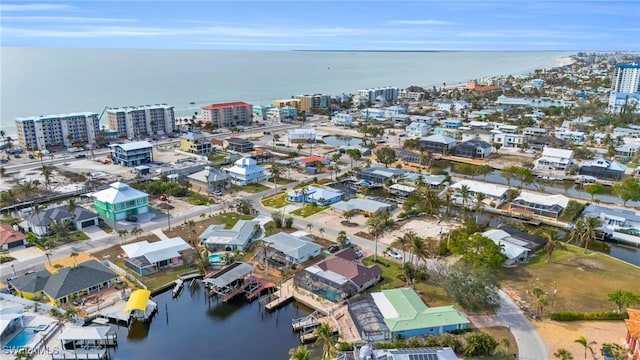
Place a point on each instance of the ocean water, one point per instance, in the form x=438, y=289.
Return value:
x=51, y=81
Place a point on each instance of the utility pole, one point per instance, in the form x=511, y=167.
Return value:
x=169, y=219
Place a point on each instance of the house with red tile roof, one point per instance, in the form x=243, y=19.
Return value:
x=11, y=238
x=633, y=332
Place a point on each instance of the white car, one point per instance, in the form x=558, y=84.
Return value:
x=394, y=254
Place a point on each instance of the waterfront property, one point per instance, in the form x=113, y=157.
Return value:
x=371, y=114
x=402, y=190
x=472, y=149
x=555, y=159
x=338, y=277
x=627, y=151
x=66, y=284
x=633, y=332
x=342, y=119
x=417, y=129
x=286, y=250
x=514, y=250
x=11, y=238
x=294, y=103
x=311, y=160
x=230, y=114
x=495, y=194
x=90, y=341
x=80, y=218
x=619, y=224
x=603, y=169
x=245, y=171
x=135, y=121
x=543, y=102
x=37, y=132
x=548, y=206
x=216, y=238
x=145, y=258
x=313, y=102
x=120, y=200
x=433, y=353
x=383, y=95
x=283, y=114
x=531, y=242
x=302, y=135
x=378, y=175
x=132, y=154
x=315, y=195
x=437, y=144
x=195, y=143
x=209, y=179
x=478, y=134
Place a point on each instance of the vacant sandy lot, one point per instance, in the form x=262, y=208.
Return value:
x=424, y=227
x=558, y=335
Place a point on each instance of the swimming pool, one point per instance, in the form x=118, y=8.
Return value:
x=216, y=258
x=22, y=339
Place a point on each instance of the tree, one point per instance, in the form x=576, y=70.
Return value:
x=74, y=255
x=403, y=242
x=509, y=173
x=586, y=344
x=71, y=204
x=551, y=236
x=342, y=239
x=385, y=156
x=136, y=231
x=481, y=251
x=47, y=171
x=376, y=223
x=419, y=249
x=627, y=189
x=614, y=351
x=309, y=227
x=326, y=337
x=594, y=189
x=573, y=210
x=276, y=170
x=584, y=231
x=464, y=191
x=479, y=343
x=123, y=234
x=321, y=231
x=563, y=354
x=623, y=299
x=61, y=230
x=300, y=353
x=24, y=354
x=478, y=205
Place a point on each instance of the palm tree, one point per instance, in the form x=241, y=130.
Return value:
x=448, y=200
x=326, y=337
x=402, y=242
x=419, y=249
x=591, y=226
x=47, y=171
x=61, y=230
x=464, y=191
x=552, y=237
x=136, y=231
x=71, y=204
x=309, y=227
x=3, y=171
x=276, y=171
x=586, y=344
x=74, y=255
x=321, y=231
x=300, y=353
x=342, y=238
x=376, y=223
x=123, y=234
x=563, y=354
x=478, y=205
x=48, y=255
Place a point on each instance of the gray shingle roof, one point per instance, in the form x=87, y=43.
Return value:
x=81, y=214
x=74, y=279
x=48, y=216
x=32, y=283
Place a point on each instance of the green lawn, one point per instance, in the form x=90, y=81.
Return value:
x=276, y=201
x=254, y=188
x=163, y=277
x=106, y=228
x=78, y=236
x=230, y=219
x=281, y=181
x=308, y=210
x=583, y=280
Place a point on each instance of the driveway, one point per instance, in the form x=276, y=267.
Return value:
x=530, y=344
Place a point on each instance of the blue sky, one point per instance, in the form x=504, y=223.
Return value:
x=326, y=25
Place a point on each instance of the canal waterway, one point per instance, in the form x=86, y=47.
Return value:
x=191, y=327
x=337, y=140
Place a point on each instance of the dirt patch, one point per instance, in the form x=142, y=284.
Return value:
x=364, y=235
x=348, y=223
x=558, y=335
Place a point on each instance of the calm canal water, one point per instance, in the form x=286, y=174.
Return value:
x=337, y=140
x=191, y=327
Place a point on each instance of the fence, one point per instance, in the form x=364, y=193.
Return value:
x=124, y=273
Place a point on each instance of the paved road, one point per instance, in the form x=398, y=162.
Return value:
x=530, y=344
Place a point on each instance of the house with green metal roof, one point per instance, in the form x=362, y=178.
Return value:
x=407, y=316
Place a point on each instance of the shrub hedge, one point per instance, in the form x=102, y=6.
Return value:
x=575, y=316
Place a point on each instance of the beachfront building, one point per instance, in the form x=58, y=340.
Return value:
x=383, y=95
x=543, y=102
x=550, y=206
x=38, y=132
x=437, y=144
x=216, y=238
x=146, y=258
x=365, y=206
x=261, y=111
x=554, y=159
x=208, y=180
x=495, y=194
x=11, y=238
x=65, y=284
x=302, y=135
x=230, y=114
x=245, y=171
x=603, y=169
x=135, y=121
x=625, y=87
x=286, y=249
x=195, y=143
x=406, y=95
x=78, y=219
x=417, y=129
x=342, y=119
x=472, y=149
x=132, y=154
x=315, y=195
x=309, y=103
x=120, y=200
x=338, y=277
x=286, y=114
x=633, y=332
x=295, y=103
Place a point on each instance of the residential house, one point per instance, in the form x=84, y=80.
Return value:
x=452, y=106
x=618, y=224
x=543, y=102
x=66, y=284
x=307, y=161
x=245, y=171
x=417, y=129
x=395, y=110
x=478, y=134
x=209, y=179
x=472, y=149
x=238, y=145
x=479, y=125
x=541, y=142
x=78, y=219
x=505, y=128
x=216, y=238
x=11, y=238
x=342, y=119
x=302, y=135
x=120, y=200
x=627, y=151
x=603, y=169
x=437, y=144
x=555, y=159
x=261, y=111
x=289, y=250
x=339, y=276
x=508, y=140
x=365, y=206
x=145, y=258
x=402, y=190
x=495, y=194
x=633, y=333
x=431, y=353
x=513, y=249
x=568, y=135
x=449, y=132
x=315, y=195
x=371, y=114
x=378, y=175
x=195, y=143
x=451, y=123
x=548, y=206
x=429, y=120
x=534, y=132
x=132, y=154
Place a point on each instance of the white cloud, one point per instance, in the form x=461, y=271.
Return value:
x=421, y=22
x=245, y=43
x=64, y=19
x=34, y=7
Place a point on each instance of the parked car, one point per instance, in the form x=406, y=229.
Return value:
x=334, y=248
x=359, y=254
x=217, y=193
x=394, y=254
x=131, y=218
x=81, y=156
x=31, y=156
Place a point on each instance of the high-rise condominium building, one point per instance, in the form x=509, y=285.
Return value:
x=309, y=103
x=136, y=121
x=38, y=132
x=228, y=114
x=388, y=94
x=625, y=87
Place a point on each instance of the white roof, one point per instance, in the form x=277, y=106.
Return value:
x=327, y=274
x=85, y=333
x=294, y=247
x=299, y=131
x=501, y=235
x=404, y=188
x=384, y=305
x=245, y=166
x=547, y=200
x=134, y=145
x=557, y=153
x=56, y=116
x=510, y=247
x=118, y=192
x=485, y=188
x=367, y=205
x=156, y=251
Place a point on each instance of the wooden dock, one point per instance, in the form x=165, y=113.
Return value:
x=279, y=301
x=254, y=292
x=178, y=287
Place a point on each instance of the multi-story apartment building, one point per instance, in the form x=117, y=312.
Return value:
x=405, y=95
x=309, y=103
x=195, y=143
x=136, y=121
x=229, y=114
x=132, y=154
x=625, y=87
x=283, y=114
x=296, y=103
x=38, y=132
x=389, y=94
